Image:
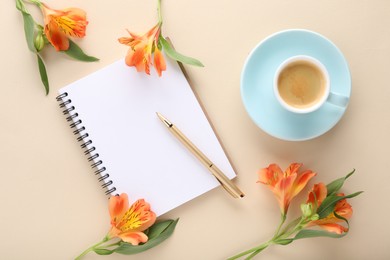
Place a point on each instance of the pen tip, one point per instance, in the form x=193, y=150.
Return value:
x=160, y=116
x=164, y=120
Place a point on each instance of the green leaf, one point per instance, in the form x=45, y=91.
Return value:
x=340, y=217
x=103, y=251
x=329, y=203
x=284, y=241
x=19, y=5
x=307, y=233
x=77, y=53
x=29, y=25
x=158, y=228
x=173, y=54
x=159, y=233
x=336, y=185
x=43, y=73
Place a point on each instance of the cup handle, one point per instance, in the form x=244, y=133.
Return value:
x=338, y=99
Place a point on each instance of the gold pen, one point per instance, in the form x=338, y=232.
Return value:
x=226, y=183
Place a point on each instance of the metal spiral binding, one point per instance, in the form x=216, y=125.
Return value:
x=90, y=151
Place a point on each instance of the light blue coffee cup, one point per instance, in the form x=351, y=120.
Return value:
x=326, y=96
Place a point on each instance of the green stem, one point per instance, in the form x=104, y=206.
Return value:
x=288, y=232
x=36, y=2
x=279, y=236
x=113, y=244
x=253, y=251
x=291, y=225
x=160, y=20
x=92, y=248
x=283, y=219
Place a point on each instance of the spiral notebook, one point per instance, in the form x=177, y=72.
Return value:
x=112, y=112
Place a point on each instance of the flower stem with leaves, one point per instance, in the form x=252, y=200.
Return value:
x=146, y=50
x=325, y=208
x=169, y=50
x=133, y=228
x=38, y=36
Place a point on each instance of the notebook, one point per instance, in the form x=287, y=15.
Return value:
x=113, y=114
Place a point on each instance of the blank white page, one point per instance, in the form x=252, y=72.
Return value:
x=118, y=106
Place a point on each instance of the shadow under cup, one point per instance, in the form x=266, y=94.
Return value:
x=302, y=85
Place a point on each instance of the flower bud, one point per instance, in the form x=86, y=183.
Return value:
x=315, y=217
x=39, y=42
x=307, y=210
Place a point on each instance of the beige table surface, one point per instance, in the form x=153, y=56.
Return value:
x=51, y=204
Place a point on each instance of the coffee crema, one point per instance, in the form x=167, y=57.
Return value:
x=301, y=84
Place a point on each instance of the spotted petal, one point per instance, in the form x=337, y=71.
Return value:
x=117, y=206
x=60, y=24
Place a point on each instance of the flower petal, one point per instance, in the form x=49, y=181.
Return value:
x=317, y=195
x=152, y=32
x=134, y=238
x=334, y=228
x=73, y=22
x=270, y=175
x=159, y=62
x=286, y=183
x=125, y=40
x=343, y=209
x=75, y=13
x=117, y=206
x=283, y=191
x=129, y=57
x=137, y=60
x=62, y=23
x=59, y=40
x=302, y=181
x=293, y=168
x=138, y=218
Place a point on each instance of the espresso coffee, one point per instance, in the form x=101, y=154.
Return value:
x=301, y=84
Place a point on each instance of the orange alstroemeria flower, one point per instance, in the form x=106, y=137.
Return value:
x=329, y=223
x=141, y=49
x=128, y=223
x=285, y=185
x=61, y=24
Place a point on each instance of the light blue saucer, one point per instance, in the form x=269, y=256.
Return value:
x=257, y=79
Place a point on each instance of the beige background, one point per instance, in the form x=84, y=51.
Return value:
x=51, y=204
